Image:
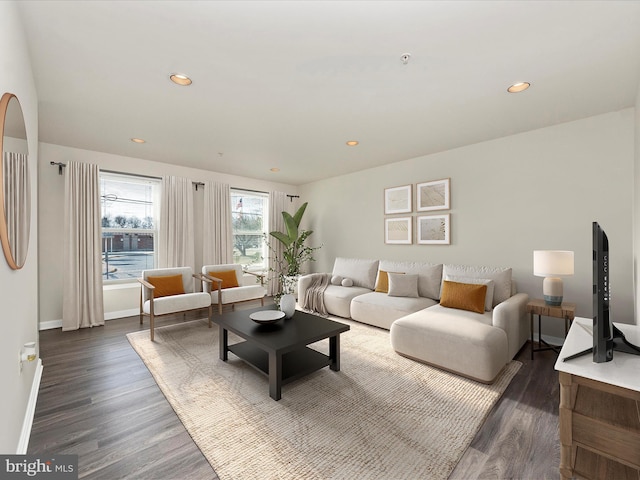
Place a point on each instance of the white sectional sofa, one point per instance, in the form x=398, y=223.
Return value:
x=474, y=334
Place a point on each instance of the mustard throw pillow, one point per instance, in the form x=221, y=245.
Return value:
x=166, y=285
x=382, y=281
x=228, y=277
x=464, y=296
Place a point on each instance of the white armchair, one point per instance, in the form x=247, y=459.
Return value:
x=248, y=285
x=170, y=290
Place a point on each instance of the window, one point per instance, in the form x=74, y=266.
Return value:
x=249, y=211
x=129, y=225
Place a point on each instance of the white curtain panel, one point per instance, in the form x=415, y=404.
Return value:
x=176, y=242
x=277, y=205
x=17, y=198
x=82, y=304
x=217, y=232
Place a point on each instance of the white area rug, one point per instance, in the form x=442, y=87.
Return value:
x=380, y=416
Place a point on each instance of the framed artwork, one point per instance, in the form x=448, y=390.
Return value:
x=433, y=195
x=397, y=200
x=398, y=230
x=434, y=229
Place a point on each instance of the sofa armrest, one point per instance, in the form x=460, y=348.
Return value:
x=304, y=282
x=511, y=316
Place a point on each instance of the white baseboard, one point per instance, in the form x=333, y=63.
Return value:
x=48, y=325
x=25, y=434
x=132, y=312
x=51, y=324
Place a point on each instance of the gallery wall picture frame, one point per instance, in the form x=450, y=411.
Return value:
x=434, y=229
x=398, y=230
x=433, y=195
x=398, y=200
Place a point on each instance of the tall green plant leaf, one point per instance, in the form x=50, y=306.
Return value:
x=286, y=241
x=292, y=227
x=298, y=215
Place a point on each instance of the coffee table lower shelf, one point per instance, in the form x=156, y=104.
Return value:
x=295, y=364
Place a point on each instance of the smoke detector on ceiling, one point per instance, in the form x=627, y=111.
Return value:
x=404, y=58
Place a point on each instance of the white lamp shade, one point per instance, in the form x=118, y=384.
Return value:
x=552, y=263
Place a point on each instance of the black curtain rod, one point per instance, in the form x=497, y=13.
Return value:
x=247, y=190
x=131, y=174
x=60, y=166
x=197, y=184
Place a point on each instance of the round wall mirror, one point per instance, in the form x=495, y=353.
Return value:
x=15, y=184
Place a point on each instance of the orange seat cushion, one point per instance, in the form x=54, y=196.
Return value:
x=228, y=277
x=166, y=285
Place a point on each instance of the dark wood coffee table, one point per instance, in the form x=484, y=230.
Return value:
x=279, y=350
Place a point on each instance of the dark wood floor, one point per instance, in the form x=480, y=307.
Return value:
x=99, y=401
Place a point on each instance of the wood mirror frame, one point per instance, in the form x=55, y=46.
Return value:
x=15, y=183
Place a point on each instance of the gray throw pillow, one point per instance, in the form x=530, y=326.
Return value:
x=403, y=285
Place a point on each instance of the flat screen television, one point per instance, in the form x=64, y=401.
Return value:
x=606, y=336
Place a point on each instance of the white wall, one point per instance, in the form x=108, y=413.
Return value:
x=18, y=288
x=118, y=301
x=636, y=208
x=537, y=190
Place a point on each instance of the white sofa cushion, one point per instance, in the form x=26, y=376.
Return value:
x=453, y=314
x=501, y=277
x=361, y=271
x=429, y=275
x=337, y=299
x=381, y=310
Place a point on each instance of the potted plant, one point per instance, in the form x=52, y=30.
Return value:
x=295, y=253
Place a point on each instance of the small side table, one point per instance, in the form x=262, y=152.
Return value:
x=537, y=306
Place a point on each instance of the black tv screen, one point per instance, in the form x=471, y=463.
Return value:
x=606, y=336
x=602, y=328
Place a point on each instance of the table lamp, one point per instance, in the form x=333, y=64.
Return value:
x=550, y=264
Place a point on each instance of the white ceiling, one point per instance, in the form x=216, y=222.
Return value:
x=285, y=84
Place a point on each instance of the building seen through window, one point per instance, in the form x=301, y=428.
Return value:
x=129, y=225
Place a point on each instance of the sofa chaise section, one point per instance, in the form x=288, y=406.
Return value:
x=452, y=341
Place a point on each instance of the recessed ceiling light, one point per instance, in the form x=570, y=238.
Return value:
x=275, y=169
x=518, y=87
x=180, y=79
x=352, y=143
x=138, y=140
